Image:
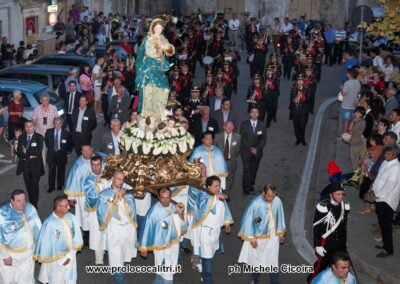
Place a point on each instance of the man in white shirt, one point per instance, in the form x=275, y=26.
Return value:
x=97, y=77
x=101, y=36
x=286, y=27
x=215, y=101
x=395, y=120
x=377, y=60
x=229, y=142
x=386, y=190
x=85, y=13
x=109, y=140
x=234, y=25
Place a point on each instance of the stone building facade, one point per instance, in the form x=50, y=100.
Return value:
x=27, y=19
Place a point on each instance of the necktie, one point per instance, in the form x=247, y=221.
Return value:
x=254, y=127
x=56, y=138
x=226, y=148
x=71, y=103
x=28, y=141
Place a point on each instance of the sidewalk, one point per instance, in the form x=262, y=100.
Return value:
x=360, y=236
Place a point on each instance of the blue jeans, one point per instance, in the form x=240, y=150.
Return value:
x=119, y=278
x=346, y=114
x=207, y=270
x=160, y=280
x=185, y=243
x=273, y=278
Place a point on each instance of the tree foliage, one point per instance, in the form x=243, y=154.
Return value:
x=389, y=25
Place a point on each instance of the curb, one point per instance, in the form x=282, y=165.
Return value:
x=299, y=239
x=372, y=271
x=297, y=220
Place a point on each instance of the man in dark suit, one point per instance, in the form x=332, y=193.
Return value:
x=120, y=105
x=254, y=138
x=229, y=142
x=83, y=123
x=29, y=151
x=225, y=114
x=203, y=124
x=71, y=101
x=216, y=101
x=58, y=142
x=109, y=140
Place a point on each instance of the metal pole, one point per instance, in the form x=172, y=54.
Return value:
x=259, y=9
x=361, y=35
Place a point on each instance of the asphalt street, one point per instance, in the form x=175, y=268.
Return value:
x=282, y=165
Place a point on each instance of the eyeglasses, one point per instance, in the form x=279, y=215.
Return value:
x=64, y=206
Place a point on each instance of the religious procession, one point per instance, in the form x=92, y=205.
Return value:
x=158, y=167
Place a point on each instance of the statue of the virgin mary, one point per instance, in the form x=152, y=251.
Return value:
x=151, y=66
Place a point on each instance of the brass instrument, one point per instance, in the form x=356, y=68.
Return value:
x=213, y=21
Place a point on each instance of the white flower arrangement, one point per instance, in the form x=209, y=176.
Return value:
x=171, y=140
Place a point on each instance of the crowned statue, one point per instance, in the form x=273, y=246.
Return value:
x=155, y=150
x=152, y=65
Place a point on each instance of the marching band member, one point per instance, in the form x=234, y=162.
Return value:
x=256, y=96
x=260, y=51
x=187, y=81
x=234, y=54
x=311, y=84
x=207, y=88
x=175, y=82
x=288, y=58
x=216, y=49
x=272, y=94
x=229, y=77
x=299, y=100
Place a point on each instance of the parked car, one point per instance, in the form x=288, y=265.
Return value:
x=31, y=92
x=115, y=43
x=66, y=60
x=49, y=75
x=101, y=50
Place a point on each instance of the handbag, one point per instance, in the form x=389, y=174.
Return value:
x=135, y=103
x=346, y=137
x=340, y=96
x=90, y=96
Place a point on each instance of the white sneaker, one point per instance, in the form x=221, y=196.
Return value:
x=1, y=156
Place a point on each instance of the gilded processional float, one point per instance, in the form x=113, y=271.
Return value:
x=154, y=151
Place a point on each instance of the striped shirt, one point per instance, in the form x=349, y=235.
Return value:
x=340, y=35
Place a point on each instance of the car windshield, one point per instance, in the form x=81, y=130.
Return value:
x=92, y=61
x=53, y=97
